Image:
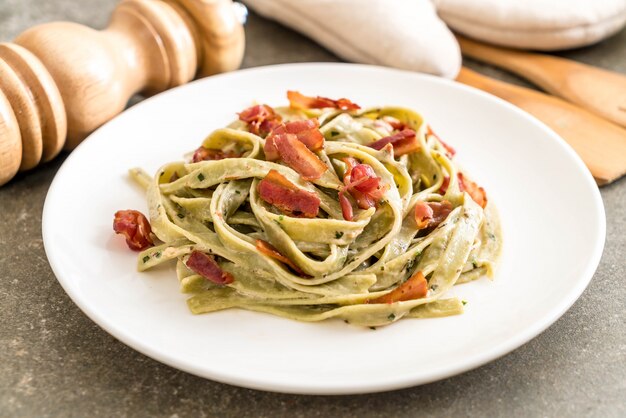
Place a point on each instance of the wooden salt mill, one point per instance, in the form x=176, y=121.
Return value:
x=60, y=81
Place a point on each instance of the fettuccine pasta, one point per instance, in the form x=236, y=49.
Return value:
x=320, y=210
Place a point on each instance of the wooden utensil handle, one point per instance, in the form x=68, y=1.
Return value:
x=600, y=144
x=599, y=91
x=60, y=81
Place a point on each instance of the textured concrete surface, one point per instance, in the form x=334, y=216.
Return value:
x=55, y=362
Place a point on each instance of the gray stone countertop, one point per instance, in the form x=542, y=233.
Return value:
x=56, y=362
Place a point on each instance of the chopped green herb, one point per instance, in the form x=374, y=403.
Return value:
x=391, y=317
x=162, y=173
x=434, y=177
x=475, y=264
x=334, y=133
x=146, y=258
x=237, y=191
x=157, y=254
x=410, y=265
x=281, y=218
x=180, y=215
x=491, y=236
x=464, y=302
x=433, y=287
x=200, y=176
x=338, y=234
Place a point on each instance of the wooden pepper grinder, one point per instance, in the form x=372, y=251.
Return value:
x=60, y=81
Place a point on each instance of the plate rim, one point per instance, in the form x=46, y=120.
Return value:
x=504, y=347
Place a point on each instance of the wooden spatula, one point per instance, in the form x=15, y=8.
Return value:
x=600, y=143
x=599, y=91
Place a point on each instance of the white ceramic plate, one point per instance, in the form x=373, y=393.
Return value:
x=552, y=216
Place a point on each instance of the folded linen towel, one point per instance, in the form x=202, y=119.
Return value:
x=405, y=34
x=535, y=24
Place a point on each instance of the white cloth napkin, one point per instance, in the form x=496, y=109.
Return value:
x=405, y=34
x=535, y=24
x=410, y=34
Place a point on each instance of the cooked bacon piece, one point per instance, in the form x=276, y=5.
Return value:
x=256, y=113
x=363, y=200
x=346, y=206
x=269, y=250
x=261, y=119
x=403, y=142
x=135, y=228
x=363, y=178
x=269, y=149
x=307, y=131
x=428, y=215
x=414, y=288
x=298, y=100
x=441, y=210
x=207, y=267
x=423, y=214
x=477, y=193
x=276, y=190
x=204, y=154
x=363, y=184
x=451, y=151
x=297, y=156
x=444, y=185
x=268, y=126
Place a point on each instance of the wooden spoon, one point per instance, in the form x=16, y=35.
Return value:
x=600, y=144
x=600, y=91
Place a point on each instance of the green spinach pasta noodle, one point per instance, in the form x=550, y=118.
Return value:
x=374, y=249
